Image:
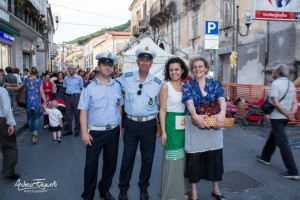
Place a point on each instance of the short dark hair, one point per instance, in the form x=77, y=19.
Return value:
x=25, y=70
x=8, y=70
x=60, y=73
x=16, y=70
x=1, y=70
x=80, y=70
x=206, y=64
x=182, y=65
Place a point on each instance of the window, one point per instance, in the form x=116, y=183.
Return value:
x=227, y=13
x=4, y=56
x=195, y=25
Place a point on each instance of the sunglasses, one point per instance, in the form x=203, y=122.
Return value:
x=140, y=91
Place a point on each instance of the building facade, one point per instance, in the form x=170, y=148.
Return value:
x=26, y=29
x=181, y=23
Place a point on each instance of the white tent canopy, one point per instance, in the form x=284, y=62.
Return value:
x=159, y=62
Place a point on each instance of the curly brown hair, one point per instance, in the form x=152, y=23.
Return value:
x=182, y=65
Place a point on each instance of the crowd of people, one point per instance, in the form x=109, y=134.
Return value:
x=102, y=105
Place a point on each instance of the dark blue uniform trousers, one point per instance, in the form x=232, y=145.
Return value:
x=279, y=138
x=135, y=132
x=109, y=142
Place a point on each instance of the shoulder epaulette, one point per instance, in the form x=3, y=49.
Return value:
x=87, y=83
x=157, y=80
x=128, y=74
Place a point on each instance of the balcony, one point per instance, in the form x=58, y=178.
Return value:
x=161, y=12
x=135, y=31
x=25, y=11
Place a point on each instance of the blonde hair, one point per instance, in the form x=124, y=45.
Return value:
x=54, y=104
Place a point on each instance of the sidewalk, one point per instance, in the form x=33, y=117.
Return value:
x=21, y=121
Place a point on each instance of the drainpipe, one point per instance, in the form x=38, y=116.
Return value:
x=267, y=53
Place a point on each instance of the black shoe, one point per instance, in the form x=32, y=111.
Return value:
x=13, y=177
x=289, y=175
x=76, y=134
x=67, y=133
x=144, y=195
x=123, y=196
x=260, y=159
x=106, y=196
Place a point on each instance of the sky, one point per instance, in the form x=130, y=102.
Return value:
x=108, y=14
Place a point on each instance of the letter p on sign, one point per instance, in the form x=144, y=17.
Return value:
x=211, y=27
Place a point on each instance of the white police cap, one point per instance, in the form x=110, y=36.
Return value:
x=145, y=52
x=107, y=58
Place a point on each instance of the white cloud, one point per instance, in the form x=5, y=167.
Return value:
x=67, y=32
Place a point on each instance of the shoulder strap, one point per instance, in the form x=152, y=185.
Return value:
x=286, y=91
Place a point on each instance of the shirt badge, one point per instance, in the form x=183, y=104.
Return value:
x=150, y=102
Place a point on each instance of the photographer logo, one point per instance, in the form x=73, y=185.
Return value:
x=35, y=186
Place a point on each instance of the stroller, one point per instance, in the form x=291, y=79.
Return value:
x=60, y=98
x=255, y=114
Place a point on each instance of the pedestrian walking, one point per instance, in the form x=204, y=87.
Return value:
x=1, y=75
x=25, y=74
x=8, y=139
x=141, y=106
x=100, y=117
x=35, y=92
x=9, y=81
x=204, y=159
x=172, y=122
x=59, y=82
x=73, y=84
x=283, y=96
x=55, y=119
x=49, y=89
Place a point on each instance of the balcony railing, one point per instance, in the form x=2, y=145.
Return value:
x=26, y=12
x=156, y=8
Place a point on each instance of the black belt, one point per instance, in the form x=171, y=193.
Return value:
x=75, y=94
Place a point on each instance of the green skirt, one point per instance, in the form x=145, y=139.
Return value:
x=175, y=126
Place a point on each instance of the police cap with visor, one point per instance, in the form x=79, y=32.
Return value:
x=145, y=52
x=107, y=58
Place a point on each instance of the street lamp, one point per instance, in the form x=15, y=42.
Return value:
x=57, y=17
x=247, y=23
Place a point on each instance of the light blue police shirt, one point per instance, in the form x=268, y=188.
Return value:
x=102, y=101
x=73, y=84
x=145, y=104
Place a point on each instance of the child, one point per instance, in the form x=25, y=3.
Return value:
x=55, y=119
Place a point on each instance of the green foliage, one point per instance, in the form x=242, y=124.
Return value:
x=81, y=40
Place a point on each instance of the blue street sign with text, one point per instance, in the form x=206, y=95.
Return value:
x=212, y=27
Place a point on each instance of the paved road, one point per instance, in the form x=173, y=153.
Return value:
x=63, y=163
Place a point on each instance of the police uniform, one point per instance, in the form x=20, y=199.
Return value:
x=141, y=107
x=102, y=102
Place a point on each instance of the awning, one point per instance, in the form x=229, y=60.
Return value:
x=9, y=29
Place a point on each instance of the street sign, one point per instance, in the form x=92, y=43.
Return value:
x=211, y=39
x=211, y=27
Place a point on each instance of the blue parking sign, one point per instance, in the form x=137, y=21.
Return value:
x=212, y=27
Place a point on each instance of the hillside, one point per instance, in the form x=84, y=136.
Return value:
x=81, y=40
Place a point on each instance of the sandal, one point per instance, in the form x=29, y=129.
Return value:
x=34, y=139
x=186, y=196
x=218, y=196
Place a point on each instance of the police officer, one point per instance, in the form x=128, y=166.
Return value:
x=100, y=107
x=73, y=84
x=141, y=106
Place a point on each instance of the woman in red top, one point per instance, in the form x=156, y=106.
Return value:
x=48, y=87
